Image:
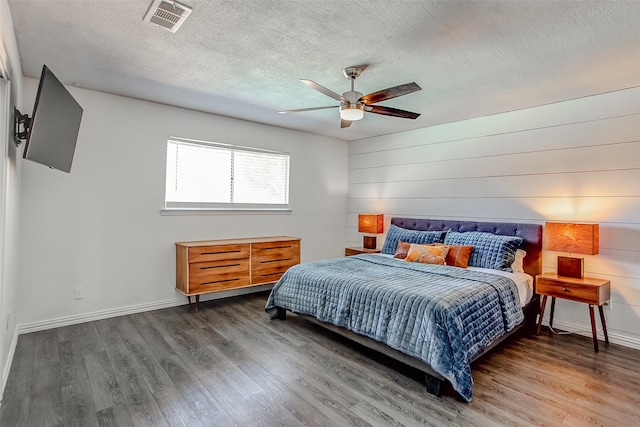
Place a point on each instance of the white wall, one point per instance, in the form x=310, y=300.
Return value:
x=100, y=227
x=574, y=161
x=9, y=193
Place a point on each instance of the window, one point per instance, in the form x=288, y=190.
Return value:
x=203, y=175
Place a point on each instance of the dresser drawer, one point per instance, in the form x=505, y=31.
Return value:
x=282, y=264
x=208, y=271
x=218, y=274
x=268, y=275
x=572, y=291
x=266, y=255
x=220, y=282
x=217, y=253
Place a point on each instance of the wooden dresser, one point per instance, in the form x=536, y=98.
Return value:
x=220, y=265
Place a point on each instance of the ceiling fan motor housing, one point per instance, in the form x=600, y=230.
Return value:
x=352, y=96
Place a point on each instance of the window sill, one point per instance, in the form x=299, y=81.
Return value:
x=186, y=211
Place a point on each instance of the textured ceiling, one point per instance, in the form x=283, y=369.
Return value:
x=245, y=58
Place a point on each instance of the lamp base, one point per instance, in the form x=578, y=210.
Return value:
x=571, y=267
x=369, y=242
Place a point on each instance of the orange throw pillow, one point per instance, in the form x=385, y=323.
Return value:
x=458, y=256
x=427, y=254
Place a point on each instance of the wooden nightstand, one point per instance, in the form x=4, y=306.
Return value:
x=587, y=290
x=358, y=251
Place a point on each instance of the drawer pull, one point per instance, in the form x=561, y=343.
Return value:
x=274, y=247
x=565, y=290
x=219, y=266
x=220, y=281
x=220, y=252
x=275, y=260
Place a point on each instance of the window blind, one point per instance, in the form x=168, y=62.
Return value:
x=204, y=175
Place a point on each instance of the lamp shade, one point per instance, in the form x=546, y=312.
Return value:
x=351, y=112
x=371, y=223
x=572, y=238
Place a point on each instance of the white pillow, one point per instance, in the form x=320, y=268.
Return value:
x=518, y=265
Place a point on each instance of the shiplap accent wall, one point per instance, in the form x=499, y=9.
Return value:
x=572, y=161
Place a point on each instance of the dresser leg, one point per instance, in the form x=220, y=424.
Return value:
x=544, y=304
x=553, y=309
x=197, y=301
x=593, y=328
x=604, y=324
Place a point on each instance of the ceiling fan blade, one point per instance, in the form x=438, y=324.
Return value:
x=345, y=123
x=299, y=110
x=323, y=89
x=392, y=92
x=388, y=111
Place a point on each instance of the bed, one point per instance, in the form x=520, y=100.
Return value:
x=436, y=318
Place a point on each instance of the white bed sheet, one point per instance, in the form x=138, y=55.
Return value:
x=524, y=282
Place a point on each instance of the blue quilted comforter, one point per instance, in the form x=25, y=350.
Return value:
x=442, y=315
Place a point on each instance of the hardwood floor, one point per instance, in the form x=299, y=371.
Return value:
x=229, y=365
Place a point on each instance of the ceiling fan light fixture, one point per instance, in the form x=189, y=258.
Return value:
x=351, y=111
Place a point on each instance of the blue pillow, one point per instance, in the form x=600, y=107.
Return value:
x=489, y=250
x=396, y=234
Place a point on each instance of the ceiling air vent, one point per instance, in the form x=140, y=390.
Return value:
x=167, y=14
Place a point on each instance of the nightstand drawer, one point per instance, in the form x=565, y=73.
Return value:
x=571, y=291
x=590, y=291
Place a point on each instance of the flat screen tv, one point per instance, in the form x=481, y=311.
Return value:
x=55, y=124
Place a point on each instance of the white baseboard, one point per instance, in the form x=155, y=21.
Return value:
x=132, y=309
x=584, y=329
x=96, y=315
x=7, y=365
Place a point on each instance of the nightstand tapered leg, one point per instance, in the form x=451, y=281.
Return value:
x=593, y=328
x=553, y=309
x=604, y=324
x=544, y=303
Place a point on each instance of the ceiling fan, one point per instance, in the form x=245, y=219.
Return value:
x=353, y=104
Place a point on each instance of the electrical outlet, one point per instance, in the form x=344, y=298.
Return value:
x=78, y=293
x=607, y=305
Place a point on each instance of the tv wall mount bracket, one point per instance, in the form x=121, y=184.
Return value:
x=21, y=126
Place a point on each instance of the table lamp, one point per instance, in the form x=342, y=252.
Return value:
x=572, y=238
x=371, y=224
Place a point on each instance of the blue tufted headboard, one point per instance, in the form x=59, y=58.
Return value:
x=531, y=233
